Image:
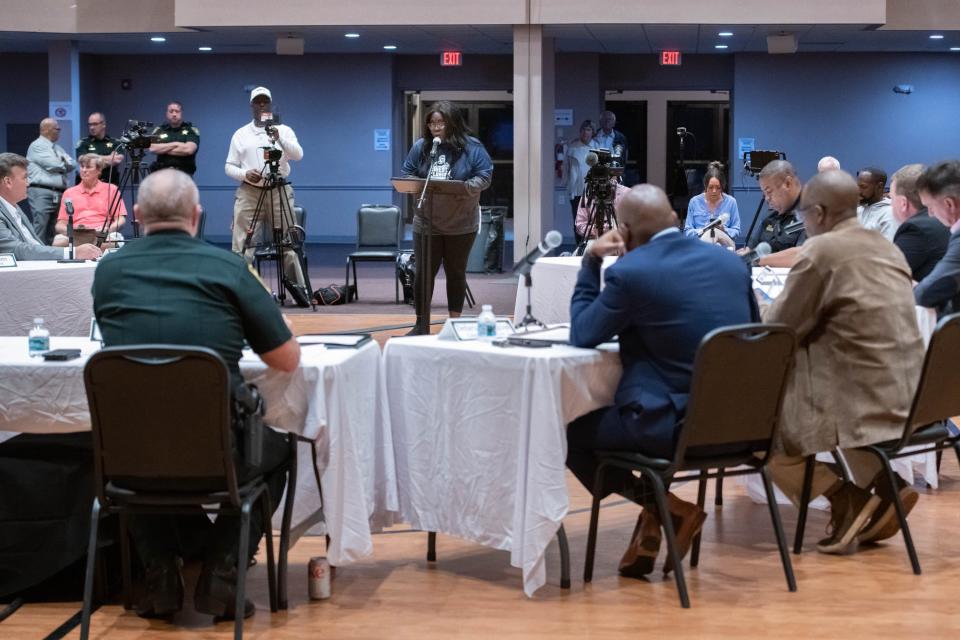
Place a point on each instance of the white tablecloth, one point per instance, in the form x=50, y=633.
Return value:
x=58, y=293
x=553, y=282
x=480, y=438
x=336, y=397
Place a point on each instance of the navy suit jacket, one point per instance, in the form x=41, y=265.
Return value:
x=660, y=299
x=923, y=241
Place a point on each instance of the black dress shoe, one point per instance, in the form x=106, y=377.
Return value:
x=216, y=594
x=163, y=589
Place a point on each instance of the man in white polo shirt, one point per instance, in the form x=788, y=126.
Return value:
x=246, y=164
x=16, y=233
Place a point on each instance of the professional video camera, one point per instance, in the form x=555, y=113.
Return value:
x=754, y=161
x=599, y=183
x=137, y=135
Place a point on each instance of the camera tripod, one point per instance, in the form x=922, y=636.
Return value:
x=130, y=177
x=285, y=241
x=602, y=216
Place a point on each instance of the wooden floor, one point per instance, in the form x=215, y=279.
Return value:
x=381, y=326
x=472, y=592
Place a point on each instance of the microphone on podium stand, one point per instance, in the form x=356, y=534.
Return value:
x=68, y=205
x=551, y=241
x=713, y=224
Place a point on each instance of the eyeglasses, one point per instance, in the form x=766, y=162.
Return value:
x=94, y=124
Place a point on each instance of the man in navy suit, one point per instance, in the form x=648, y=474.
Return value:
x=939, y=188
x=922, y=239
x=661, y=297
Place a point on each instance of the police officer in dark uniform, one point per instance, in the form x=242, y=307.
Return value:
x=172, y=288
x=781, y=187
x=176, y=142
x=100, y=143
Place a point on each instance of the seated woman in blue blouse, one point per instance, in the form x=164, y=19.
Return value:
x=710, y=205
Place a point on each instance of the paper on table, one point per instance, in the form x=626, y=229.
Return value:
x=334, y=340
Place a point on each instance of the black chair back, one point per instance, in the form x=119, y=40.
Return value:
x=379, y=226
x=161, y=419
x=937, y=396
x=739, y=378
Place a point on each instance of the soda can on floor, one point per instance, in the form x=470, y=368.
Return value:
x=318, y=578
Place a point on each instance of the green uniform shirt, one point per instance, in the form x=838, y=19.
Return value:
x=103, y=147
x=171, y=288
x=186, y=132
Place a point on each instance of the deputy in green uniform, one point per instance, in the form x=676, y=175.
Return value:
x=172, y=288
x=100, y=143
x=176, y=142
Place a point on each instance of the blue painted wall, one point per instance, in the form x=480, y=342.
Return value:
x=25, y=79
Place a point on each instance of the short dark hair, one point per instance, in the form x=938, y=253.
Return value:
x=587, y=123
x=778, y=169
x=878, y=174
x=906, y=178
x=942, y=178
x=176, y=102
x=10, y=160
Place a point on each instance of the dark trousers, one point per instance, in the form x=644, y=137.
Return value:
x=612, y=429
x=452, y=252
x=574, y=205
x=160, y=537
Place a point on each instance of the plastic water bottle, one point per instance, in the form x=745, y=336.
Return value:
x=486, y=324
x=39, y=340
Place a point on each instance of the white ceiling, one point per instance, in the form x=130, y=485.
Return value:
x=498, y=39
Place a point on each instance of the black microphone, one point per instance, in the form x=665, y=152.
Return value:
x=433, y=149
x=551, y=241
x=716, y=222
x=761, y=250
x=68, y=205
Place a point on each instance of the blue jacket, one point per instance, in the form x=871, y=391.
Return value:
x=660, y=299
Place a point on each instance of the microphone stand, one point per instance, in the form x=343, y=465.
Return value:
x=528, y=318
x=72, y=259
x=423, y=268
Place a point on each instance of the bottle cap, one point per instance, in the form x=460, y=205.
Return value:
x=38, y=321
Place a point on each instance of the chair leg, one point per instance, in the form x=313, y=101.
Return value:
x=243, y=548
x=594, y=519
x=778, y=530
x=285, y=525
x=431, y=546
x=660, y=493
x=701, y=499
x=125, y=563
x=718, y=499
x=88, y=575
x=804, y=503
x=956, y=449
x=471, y=301
x=564, y=558
x=346, y=276
x=898, y=505
x=356, y=285
x=266, y=509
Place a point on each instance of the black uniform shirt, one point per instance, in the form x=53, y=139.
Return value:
x=186, y=132
x=771, y=230
x=103, y=147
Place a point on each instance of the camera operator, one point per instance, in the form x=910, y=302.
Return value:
x=246, y=164
x=602, y=192
x=177, y=142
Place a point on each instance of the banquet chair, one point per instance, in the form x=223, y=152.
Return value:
x=168, y=448
x=720, y=431
x=379, y=234
x=934, y=402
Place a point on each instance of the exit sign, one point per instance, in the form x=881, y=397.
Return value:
x=451, y=59
x=670, y=58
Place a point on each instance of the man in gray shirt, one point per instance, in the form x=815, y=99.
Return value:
x=47, y=174
x=874, y=211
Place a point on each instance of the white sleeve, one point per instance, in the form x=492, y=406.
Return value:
x=233, y=167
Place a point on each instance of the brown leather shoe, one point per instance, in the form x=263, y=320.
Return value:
x=687, y=520
x=884, y=523
x=638, y=559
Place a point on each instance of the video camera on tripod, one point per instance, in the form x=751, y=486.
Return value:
x=137, y=135
x=599, y=183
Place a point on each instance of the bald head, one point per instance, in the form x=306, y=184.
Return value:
x=643, y=212
x=168, y=199
x=50, y=129
x=827, y=163
x=828, y=199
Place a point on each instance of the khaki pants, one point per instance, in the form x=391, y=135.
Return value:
x=787, y=473
x=244, y=207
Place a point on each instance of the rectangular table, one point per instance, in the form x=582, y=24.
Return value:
x=480, y=438
x=58, y=293
x=335, y=397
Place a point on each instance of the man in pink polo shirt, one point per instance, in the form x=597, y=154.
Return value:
x=91, y=203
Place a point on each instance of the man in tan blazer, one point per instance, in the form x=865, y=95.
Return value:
x=850, y=300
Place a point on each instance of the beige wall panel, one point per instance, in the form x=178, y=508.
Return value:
x=44, y=16
x=923, y=15
x=230, y=13
x=709, y=11
x=125, y=16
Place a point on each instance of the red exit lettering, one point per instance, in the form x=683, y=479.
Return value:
x=451, y=59
x=670, y=58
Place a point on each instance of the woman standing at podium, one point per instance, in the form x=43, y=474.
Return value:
x=448, y=222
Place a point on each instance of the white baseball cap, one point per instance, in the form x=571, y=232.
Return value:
x=260, y=91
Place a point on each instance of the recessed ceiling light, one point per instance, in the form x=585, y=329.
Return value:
x=351, y=35
x=158, y=39
x=205, y=48
x=954, y=48
x=389, y=47
x=725, y=34
x=719, y=46
x=936, y=36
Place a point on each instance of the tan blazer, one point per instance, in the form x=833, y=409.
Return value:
x=849, y=298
